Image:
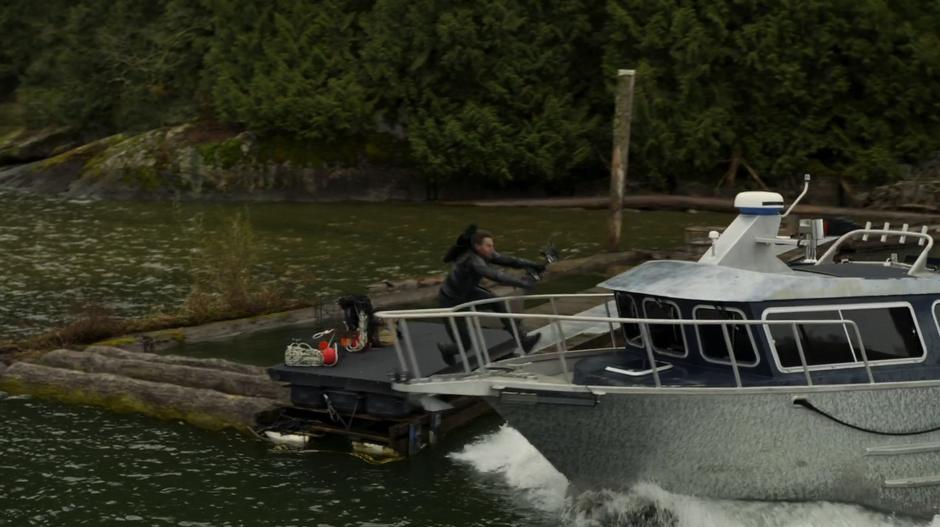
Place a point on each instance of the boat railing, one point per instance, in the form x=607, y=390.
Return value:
x=923, y=240
x=552, y=298
x=397, y=323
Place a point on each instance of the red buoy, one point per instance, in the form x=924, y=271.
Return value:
x=329, y=356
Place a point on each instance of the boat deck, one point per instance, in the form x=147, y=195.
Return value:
x=355, y=398
x=374, y=370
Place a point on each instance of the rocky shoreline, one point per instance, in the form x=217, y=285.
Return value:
x=189, y=162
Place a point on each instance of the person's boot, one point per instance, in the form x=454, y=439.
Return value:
x=529, y=341
x=448, y=353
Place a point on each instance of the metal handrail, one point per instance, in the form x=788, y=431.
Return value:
x=483, y=359
x=918, y=265
x=474, y=303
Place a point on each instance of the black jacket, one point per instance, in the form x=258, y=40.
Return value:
x=470, y=268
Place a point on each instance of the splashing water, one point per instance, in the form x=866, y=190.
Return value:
x=507, y=453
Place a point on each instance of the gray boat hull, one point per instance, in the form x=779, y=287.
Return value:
x=749, y=443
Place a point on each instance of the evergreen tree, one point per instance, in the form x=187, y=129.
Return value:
x=786, y=87
x=487, y=89
x=115, y=65
x=290, y=66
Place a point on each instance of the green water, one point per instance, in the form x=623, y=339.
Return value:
x=135, y=258
x=70, y=466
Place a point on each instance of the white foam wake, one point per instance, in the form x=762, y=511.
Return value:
x=507, y=453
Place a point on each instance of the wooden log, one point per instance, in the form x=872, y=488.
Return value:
x=193, y=377
x=216, y=364
x=671, y=202
x=204, y=408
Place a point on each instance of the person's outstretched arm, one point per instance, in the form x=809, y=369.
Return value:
x=516, y=263
x=479, y=265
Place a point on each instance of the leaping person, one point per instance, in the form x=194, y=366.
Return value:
x=472, y=255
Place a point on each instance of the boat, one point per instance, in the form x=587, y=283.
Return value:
x=743, y=375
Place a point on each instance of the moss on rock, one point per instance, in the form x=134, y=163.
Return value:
x=197, y=160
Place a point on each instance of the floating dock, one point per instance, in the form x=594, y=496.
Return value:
x=355, y=399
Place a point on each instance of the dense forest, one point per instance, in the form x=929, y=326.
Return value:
x=499, y=90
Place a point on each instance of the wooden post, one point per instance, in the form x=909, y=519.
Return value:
x=623, y=113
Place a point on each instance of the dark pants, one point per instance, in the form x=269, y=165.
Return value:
x=462, y=323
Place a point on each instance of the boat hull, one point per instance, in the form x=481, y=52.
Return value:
x=749, y=443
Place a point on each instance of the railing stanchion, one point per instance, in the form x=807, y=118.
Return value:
x=475, y=326
x=474, y=340
x=861, y=347
x=559, y=334
x=731, y=356
x=613, y=341
x=562, y=348
x=647, y=342
x=483, y=345
x=409, y=347
x=459, y=340
x=401, y=356
x=799, y=349
x=515, y=330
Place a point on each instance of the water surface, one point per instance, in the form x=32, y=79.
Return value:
x=70, y=465
x=135, y=258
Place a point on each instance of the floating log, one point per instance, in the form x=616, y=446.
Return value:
x=673, y=202
x=179, y=360
x=131, y=365
x=204, y=408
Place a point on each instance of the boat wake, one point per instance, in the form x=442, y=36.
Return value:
x=506, y=453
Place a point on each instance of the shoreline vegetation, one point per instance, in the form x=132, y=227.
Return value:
x=396, y=99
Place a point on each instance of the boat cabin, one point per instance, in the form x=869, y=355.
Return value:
x=882, y=315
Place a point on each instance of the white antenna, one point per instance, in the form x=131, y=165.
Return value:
x=806, y=178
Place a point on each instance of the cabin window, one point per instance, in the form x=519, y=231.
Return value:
x=822, y=343
x=668, y=339
x=889, y=332
x=711, y=339
x=626, y=306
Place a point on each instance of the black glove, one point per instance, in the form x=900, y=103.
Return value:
x=537, y=267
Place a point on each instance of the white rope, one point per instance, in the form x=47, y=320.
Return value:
x=304, y=355
x=362, y=333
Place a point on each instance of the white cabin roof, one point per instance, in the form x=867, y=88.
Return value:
x=717, y=283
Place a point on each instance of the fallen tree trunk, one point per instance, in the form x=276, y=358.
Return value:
x=179, y=360
x=673, y=202
x=203, y=408
x=189, y=376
